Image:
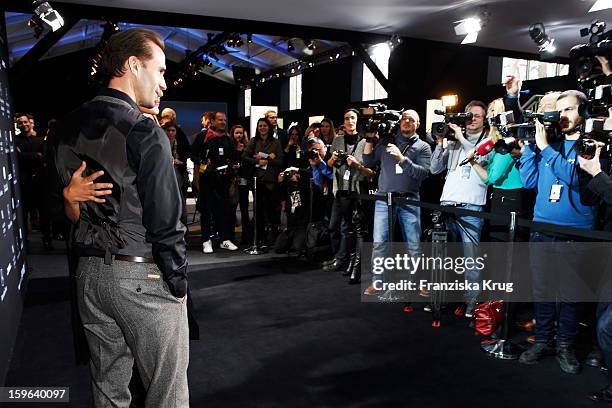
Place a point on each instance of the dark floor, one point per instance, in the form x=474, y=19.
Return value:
x=276, y=334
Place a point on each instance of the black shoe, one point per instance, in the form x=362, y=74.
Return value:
x=335, y=266
x=355, y=271
x=328, y=262
x=536, y=353
x=603, y=395
x=566, y=356
x=594, y=358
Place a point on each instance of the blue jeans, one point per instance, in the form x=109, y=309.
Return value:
x=604, y=331
x=555, y=267
x=410, y=222
x=467, y=229
x=341, y=228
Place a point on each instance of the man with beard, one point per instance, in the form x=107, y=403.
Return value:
x=553, y=169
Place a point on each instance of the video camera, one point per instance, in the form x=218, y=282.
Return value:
x=593, y=133
x=582, y=56
x=600, y=100
x=383, y=122
x=504, y=123
x=441, y=129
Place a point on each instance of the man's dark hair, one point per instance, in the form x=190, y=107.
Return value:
x=121, y=46
x=476, y=103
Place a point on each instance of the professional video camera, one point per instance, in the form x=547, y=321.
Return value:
x=600, y=100
x=593, y=133
x=383, y=122
x=441, y=128
x=582, y=56
x=526, y=130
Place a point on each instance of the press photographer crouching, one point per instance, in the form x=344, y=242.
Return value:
x=404, y=162
x=295, y=199
x=463, y=188
x=551, y=167
x=346, y=216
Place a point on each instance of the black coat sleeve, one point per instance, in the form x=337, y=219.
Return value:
x=150, y=156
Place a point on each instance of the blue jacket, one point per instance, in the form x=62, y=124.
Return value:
x=549, y=167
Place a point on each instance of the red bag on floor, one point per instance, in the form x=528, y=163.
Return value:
x=487, y=317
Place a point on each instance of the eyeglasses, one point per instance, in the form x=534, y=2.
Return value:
x=477, y=116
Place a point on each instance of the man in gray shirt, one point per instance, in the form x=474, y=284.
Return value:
x=404, y=162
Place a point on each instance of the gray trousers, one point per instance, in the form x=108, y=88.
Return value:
x=130, y=315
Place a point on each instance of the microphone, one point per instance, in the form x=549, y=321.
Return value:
x=482, y=149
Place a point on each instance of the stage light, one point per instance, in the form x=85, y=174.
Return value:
x=249, y=38
x=470, y=27
x=290, y=46
x=537, y=32
x=450, y=100
x=46, y=13
x=310, y=44
x=601, y=5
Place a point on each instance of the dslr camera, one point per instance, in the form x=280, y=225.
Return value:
x=441, y=129
x=341, y=160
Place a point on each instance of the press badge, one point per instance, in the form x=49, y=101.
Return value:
x=220, y=151
x=398, y=169
x=555, y=192
x=347, y=175
x=465, y=172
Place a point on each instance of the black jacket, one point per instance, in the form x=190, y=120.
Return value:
x=142, y=215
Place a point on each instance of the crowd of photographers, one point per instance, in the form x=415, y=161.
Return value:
x=550, y=166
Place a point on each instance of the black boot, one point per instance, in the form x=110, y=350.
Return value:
x=566, y=356
x=349, y=268
x=356, y=265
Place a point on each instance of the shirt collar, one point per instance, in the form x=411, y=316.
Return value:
x=115, y=93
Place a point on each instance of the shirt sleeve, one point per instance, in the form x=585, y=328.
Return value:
x=439, y=160
x=500, y=165
x=602, y=185
x=528, y=168
x=419, y=169
x=150, y=156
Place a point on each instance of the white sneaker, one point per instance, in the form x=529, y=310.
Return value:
x=207, y=247
x=229, y=245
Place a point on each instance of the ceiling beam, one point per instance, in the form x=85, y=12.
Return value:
x=365, y=58
x=266, y=43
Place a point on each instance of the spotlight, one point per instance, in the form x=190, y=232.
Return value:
x=239, y=43
x=449, y=100
x=601, y=5
x=310, y=44
x=45, y=12
x=394, y=41
x=249, y=38
x=290, y=46
x=537, y=32
x=470, y=28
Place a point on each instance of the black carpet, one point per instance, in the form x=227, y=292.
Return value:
x=278, y=334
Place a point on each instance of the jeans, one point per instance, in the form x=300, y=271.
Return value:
x=555, y=267
x=341, y=229
x=410, y=222
x=467, y=229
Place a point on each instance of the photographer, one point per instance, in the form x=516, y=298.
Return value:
x=346, y=160
x=295, y=196
x=463, y=189
x=322, y=178
x=552, y=169
x=216, y=150
x=503, y=175
x=601, y=184
x=404, y=162
x=294, y=154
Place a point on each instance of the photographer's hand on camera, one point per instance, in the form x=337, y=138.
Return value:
x=606, y=67
x=458, y=133
x=592, y=166
x=540, y=135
